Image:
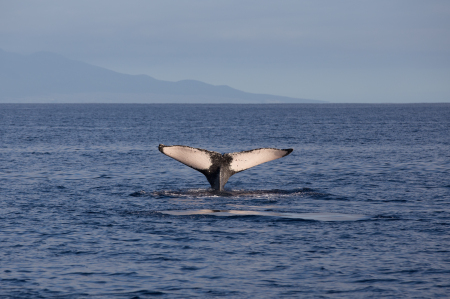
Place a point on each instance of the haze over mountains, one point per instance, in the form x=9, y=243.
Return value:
x=45, y=77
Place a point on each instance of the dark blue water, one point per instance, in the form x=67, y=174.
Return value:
x=89, y=208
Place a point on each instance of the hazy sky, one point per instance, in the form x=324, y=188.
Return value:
x=337, y=51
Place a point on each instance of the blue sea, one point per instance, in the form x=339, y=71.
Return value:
x=89, y=208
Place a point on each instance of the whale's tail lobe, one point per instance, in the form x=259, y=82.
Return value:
x=219, y=168
x=248, y=159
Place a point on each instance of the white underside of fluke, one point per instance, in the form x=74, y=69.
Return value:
x=217, y=167
x=248, y=159
x=192, y=157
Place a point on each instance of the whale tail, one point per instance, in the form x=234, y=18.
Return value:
x=217, y=167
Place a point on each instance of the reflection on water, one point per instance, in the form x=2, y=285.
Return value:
x=228, y=193
x=303, y=216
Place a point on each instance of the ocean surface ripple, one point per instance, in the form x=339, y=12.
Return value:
x=90, y=209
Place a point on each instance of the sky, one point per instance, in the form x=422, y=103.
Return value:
x=347, y=51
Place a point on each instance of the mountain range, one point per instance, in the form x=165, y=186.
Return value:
x=45, y=77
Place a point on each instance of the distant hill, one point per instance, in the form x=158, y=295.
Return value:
x=46, y=77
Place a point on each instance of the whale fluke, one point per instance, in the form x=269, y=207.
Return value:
x=217, y=167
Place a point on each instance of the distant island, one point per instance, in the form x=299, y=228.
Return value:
x=45, y=77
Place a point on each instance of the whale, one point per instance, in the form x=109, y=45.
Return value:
x=217, y=167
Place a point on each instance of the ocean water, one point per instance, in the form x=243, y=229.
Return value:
x=89, y=208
